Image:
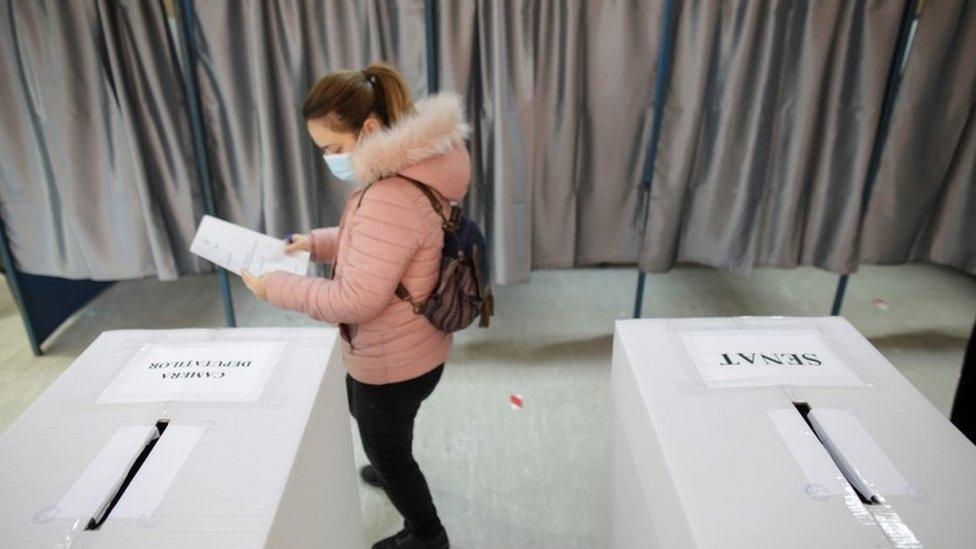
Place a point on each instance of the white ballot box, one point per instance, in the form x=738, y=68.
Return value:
x=776, y=432
x=187, y=438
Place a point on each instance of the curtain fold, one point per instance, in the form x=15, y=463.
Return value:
x=397, y=33
x=562, y=92
x=923, y=205
x=768, y=125
x=619, y=69
x=97, y=179
x=486, y=55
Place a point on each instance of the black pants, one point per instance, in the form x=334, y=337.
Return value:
x=385, y=415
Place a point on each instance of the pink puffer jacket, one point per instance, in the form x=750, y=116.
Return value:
x=388, y=234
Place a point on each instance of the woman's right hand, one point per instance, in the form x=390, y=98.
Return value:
x=298, y=243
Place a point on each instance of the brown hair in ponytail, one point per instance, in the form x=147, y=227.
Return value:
x=347, y=98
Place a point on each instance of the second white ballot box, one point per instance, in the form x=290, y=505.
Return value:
x=187, y=438
x=777, y=432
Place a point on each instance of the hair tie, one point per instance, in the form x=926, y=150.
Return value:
x=378, y=105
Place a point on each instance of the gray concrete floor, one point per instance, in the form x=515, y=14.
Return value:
x=532, y=477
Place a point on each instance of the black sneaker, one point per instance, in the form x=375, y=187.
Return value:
x=370, y=476
x=407, y=540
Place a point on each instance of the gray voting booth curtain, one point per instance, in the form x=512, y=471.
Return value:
x=96, y=174
x=768, y=125
x=923, y=207
x=769, y=120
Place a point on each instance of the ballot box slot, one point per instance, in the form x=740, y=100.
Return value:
x=95, y=522
x=852, y=477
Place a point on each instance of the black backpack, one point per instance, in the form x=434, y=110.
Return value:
x=463, y=290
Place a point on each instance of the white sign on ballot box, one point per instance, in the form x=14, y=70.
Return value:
x=749, y=358
x=214, y=371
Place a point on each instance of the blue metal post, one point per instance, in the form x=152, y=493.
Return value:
x=905, y=34
x=430, y=28
x=192, y=89
x=7, y=258
x=839, y=295
x=662, y=76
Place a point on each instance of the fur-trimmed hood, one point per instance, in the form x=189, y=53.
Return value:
x=427, y=145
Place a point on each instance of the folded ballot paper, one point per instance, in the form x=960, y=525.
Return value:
x=236, y=248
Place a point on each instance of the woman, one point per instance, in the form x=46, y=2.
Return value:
x=370, y=134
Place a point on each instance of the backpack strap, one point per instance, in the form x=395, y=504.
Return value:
x=449, y=224
x=362, y=195
x=404, y=295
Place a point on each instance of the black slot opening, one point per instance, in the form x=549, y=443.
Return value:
x=94, y=524
x=804, y=410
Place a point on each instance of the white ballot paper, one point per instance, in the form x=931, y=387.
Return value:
x=226, y=371
x=236, y=248
x=749, y=358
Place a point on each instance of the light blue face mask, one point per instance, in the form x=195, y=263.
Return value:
x=340, y=166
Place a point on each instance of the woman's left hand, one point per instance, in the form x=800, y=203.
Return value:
x=257, y=284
